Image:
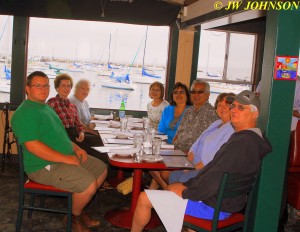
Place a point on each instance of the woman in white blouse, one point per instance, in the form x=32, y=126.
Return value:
x=157, y=105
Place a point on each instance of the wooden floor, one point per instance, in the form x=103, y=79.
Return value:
x=104, y=201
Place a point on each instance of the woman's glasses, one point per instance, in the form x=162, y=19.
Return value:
x=179, y=92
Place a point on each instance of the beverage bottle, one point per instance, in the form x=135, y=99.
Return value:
x=122, y=110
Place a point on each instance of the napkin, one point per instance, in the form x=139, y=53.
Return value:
x=107, y=149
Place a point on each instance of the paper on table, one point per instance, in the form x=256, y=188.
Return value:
x=106, y=129
x=123, y=150
x=103, y=117
x=135, y=124
x=135, y=120
x=118, y=141
x=107, y=149
x=167, y=146
x=99, y=122
x=163, y=137
x=169, y=207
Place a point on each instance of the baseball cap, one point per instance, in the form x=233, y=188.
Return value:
x=247, y=97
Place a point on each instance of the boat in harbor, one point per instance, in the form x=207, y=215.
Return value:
x=4, y=86
x=117, y=82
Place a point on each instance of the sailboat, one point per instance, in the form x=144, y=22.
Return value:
x=145, y=76
x=121, y=81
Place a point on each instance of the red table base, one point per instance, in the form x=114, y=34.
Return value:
x=122, y=217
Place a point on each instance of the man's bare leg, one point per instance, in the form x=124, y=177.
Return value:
x=80, y=200
x=101, y=178
x=142, y=213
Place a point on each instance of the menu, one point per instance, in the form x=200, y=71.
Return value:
x=171, y=152
x=178, y=162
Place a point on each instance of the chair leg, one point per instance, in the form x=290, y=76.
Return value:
x=20, y=212
x=31, y=203
x=69, y=214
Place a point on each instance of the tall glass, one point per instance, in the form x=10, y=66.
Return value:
x=138, y=143
x=146, y=122
x=156, y=146
x=148, y=138
x=123, y=125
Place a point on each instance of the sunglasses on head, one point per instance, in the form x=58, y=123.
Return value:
x=229, y=100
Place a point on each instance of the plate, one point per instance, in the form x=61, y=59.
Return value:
x=152, y=159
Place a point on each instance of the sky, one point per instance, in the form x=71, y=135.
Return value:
x=87, y=40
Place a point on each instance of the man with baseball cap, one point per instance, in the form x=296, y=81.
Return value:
x=242, y=154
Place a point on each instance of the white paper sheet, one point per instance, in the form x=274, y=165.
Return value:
x=169, y=207
x=107, y=149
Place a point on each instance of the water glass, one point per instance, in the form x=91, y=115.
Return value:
x=123, y=126
x=148, y=138
x=137, y=143
x=156, y=146
x=146, y=122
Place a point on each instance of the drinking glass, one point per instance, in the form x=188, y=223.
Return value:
x=156, y=146
x=137, y=143
x=146, y=122
x=148, y=138
x=123, y=124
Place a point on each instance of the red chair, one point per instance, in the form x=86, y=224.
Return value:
x=232, y=185
x=35, y=189
x=293, y=183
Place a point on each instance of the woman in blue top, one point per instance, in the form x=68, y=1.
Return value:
x=170, y=120
x=210, y=141
x=172, y=114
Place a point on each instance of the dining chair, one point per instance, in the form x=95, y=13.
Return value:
x=231, y=186
x=34, y=189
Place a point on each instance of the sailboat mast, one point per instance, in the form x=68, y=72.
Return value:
x=145, y=45
x=109, y=49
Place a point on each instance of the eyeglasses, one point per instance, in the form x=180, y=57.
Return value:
x=39, y=86
x=239, y=107
x=197, y=91
x=179, y=92
x=66, y=86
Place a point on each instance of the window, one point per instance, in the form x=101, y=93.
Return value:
x=103, y=53
x=226, y=60
x=6, y=25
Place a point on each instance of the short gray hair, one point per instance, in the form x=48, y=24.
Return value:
x=202, y=82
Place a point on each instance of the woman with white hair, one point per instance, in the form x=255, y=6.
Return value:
x=81, y=91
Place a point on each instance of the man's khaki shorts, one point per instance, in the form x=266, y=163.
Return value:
x=70, y=177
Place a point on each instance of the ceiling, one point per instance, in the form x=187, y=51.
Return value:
x=146, y=12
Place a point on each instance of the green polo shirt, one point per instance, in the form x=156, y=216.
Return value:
x=35, y=121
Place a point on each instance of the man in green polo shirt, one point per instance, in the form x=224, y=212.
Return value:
x=49, y=155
